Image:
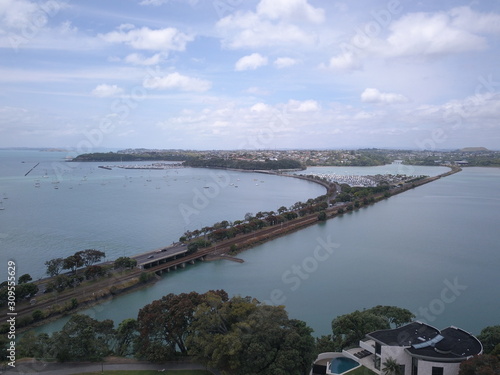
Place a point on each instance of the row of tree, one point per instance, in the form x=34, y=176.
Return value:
x=237, y=335
x=83, y=258
x=216, y=162
x=226, y=229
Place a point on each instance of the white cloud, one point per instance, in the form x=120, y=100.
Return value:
x=20, y=14
x=465, y=18
x=304, y=106
x=105, y=91
x=260, y=107
x=429, y=34
x=418, y=34
x=178, y=82
x=274, y=23
x=290, y=9
x=371, y=95
x=284, y=62
x=168, y=39
x=153, y=2
x=138, y=59
x=345, y=61
x=250, y=62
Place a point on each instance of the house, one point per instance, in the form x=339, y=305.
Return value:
x=418, y=348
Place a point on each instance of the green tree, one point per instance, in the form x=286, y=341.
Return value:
x=73, y=262
x=126, y=335
x=164, y=324
x=489, y=337
x=484, y=364
x=26, y=290
x=54, y=266
x=246, y=337
x=33, y=345
x=391, y=367
x=24, y=278
x=83, y=338
x=348, y=329
x=395, y=316
x=125, y=262
x=322, y=216
x=90, y=256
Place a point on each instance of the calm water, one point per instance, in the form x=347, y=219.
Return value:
x=433, y=250
x=121, y=211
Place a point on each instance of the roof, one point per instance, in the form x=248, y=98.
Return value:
x=455, y=345
x=412, y=333
x=423, y=341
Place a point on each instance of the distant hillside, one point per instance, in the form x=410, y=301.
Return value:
x=473, y=149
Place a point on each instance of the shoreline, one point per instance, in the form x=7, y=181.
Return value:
x=220, y=251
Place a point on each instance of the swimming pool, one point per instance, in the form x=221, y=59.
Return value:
x=342, y=364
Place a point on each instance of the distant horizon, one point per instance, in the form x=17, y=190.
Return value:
x=109, y=149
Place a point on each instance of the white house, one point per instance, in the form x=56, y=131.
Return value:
x=418, y=348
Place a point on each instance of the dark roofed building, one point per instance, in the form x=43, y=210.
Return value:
x=422, y=349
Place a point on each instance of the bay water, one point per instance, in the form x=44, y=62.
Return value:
x=433, y=250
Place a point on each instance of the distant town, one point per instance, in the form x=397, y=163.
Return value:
x=470, y=156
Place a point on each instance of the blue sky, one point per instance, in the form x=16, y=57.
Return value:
x=234, y=74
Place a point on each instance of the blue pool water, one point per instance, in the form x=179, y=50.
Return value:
x=340, y=365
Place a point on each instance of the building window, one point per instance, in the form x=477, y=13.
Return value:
x=437, y=370
x=414, y=366
x=402, y=369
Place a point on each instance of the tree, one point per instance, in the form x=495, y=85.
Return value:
x=348, y=329
x=83, y=338
x=322, y=216
x=243, y=336
x=73, y=262
x=164, y=324
x=94, y=271
x=90, y=256
x=125, y=262
x=395, y=316
x=484, y=364
x=54, y=266
x=489, y=337
x=26, y=290
x=126, y=335
x=391, y=367
x=24, y=278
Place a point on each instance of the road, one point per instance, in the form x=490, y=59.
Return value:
x=38, y=367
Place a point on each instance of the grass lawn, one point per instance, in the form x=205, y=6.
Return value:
x=361, y=371
x=149, y=372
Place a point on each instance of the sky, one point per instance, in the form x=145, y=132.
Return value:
x=250, y=74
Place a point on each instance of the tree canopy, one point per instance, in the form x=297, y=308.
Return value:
x=348, y=329
x=243, y=336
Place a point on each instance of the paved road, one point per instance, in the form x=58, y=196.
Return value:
x=161, y=253
x=37, y=367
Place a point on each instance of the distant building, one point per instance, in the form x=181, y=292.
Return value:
x=418, y=348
